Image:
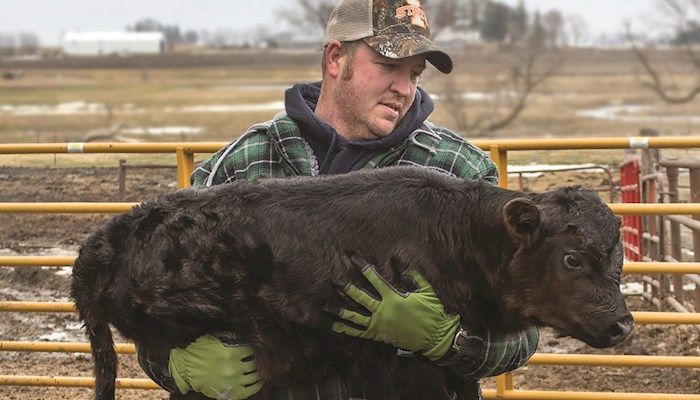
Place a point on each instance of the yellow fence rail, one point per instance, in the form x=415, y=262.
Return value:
x=184, y=153
x=72, y=208
x=630, y=267
x=640, y=317
x=76, y=208
x=594, y=360
x=68, y=381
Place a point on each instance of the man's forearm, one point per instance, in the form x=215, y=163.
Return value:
x=489, y=354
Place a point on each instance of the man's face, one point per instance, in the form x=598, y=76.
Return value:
x=375, y=92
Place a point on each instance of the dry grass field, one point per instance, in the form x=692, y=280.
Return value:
x=215, y=97
x=207, y=97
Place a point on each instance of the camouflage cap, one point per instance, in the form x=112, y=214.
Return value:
x=393, y=28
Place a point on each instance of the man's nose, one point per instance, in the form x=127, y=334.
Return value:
x=402, y=84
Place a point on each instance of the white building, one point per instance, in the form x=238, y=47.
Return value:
x=107, y=43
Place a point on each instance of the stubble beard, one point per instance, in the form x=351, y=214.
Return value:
x=366, y=128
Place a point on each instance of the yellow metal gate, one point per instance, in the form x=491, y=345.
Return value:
x=499, y=153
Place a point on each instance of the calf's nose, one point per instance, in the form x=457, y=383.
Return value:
x=620, y=329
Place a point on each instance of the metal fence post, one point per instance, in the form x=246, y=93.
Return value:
x=185, y=167
x=694, y=197
x=672, y=174
x=500, y=158
x=122, y=180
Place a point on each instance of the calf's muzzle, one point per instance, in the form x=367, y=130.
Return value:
x=620, y=329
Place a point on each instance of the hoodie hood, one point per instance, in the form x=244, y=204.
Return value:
x=335, y=153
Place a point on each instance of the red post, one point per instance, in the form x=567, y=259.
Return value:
x=631, y=224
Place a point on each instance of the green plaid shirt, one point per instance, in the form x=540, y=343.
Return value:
x=277, y=149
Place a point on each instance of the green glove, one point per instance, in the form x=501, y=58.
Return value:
x=215, y=369
x=414, y=321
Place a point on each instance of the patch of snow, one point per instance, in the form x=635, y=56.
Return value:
x=58, y=251
x=473, y=96
x=75, y=326
x=69, y=108
x=164, y=130
x=557, y=350
x=613, y=112
x=64, y=271
x=87, y=108
x=548, y=167
x=230, y=108
x=57, y=336
x=253, y=88
x=632, y=288
x=633, y=113
x=687, y=286
x=537, y=170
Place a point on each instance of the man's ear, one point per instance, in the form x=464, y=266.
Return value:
x=332, y=57
x=523, y=220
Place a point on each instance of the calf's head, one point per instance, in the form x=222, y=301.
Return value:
x=568, y=264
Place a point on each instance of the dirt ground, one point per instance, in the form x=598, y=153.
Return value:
x=56, y=234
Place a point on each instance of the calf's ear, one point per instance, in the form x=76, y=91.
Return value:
x=523, y=219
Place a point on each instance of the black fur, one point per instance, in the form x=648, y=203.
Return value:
x=259, y=258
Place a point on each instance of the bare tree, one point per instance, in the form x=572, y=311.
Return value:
x=528, y=67
x=28, y=43
x=495, y=22
x=443, y=15
x=577, y=29
x=679, y=13
x=223, y=38
x=311, y=16
x=8, y=44
x=518, y=24
x=553, y=22
x=531, y=63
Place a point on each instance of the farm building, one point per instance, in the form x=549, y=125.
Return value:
x=106, y=43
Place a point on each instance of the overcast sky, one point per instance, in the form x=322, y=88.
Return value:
x=50, y=18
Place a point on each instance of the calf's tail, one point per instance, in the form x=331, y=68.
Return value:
x=105, y=359
x=85, y=290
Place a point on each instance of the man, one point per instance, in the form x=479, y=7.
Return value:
x=368, y=113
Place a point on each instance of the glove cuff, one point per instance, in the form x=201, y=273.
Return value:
x=443, y=338
x=175, y=368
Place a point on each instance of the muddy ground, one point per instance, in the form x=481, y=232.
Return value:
x=56, y=234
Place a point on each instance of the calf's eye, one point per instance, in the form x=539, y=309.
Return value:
x=572, y=261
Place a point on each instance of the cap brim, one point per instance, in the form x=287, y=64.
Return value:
x=402, y=45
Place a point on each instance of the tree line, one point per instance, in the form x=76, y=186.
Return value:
x=19, y=44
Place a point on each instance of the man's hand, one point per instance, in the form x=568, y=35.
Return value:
x=414, y=321
x=215, y=369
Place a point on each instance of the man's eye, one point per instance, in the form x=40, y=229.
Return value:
x=415, y=76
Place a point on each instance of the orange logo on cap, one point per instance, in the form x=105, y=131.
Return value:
x=415, y=11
